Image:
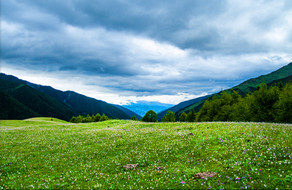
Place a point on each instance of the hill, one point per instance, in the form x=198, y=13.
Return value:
x=131, y=155
x=75, y=102
x=281, y=75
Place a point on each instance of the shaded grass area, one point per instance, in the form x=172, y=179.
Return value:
x=40, y=153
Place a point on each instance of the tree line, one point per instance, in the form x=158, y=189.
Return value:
x=265, y=104
x=89, y=118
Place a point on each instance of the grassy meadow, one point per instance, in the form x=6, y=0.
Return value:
x=40, y=153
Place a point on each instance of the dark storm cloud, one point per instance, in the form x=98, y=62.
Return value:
x=148, y=47
x=162, y=20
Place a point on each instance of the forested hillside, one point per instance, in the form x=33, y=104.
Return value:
x=266, y=104
x=283, y=75
x=10, y=108
x=22, y=101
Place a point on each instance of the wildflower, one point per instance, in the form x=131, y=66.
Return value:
x=183, y=182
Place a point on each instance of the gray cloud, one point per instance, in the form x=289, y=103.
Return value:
x=144, y=48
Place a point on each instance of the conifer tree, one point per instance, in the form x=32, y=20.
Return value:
x=169, y=117
x=183, y=117
x=103, y=118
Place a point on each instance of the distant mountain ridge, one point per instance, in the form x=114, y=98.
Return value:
x=70, y=101
x=284, y=74
x=141, y=107
x=129, y=112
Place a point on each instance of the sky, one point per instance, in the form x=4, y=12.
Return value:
x=123, y=51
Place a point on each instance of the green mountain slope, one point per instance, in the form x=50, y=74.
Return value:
x=283, y=80
x=82, y=104
x=91, y=106
x=10, y=108
x=283, y=74
x=181, y=105
x=277, y=75
x=36, y=101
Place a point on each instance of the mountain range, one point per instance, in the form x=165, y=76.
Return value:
x=20, y=99
x=141, y=107
x=47, y=101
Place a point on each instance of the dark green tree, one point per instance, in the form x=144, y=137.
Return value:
x=183, y=117
x=191, y=116
x=77, y=119
x=284, y=105
x=73, y=119
x=262, y=103
x=134, y=118
x=220, y=107
x=240, y=110
x=169, y=117
x=280, y=85
x=87, y=119
x=150, y=116
x=103, y=118
x=96, y=117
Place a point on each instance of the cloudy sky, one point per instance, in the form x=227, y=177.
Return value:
x=155, y=50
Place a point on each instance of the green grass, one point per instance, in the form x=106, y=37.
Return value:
x=40, y=153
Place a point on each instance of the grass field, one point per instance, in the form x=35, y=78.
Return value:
x=40, y=153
